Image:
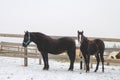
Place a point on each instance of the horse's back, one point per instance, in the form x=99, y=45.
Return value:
x=66, y=42
x=99, y=42
x=66, y=39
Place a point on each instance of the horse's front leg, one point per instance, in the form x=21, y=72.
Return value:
x=45, y=60
x=85, y=55
x=87, y=63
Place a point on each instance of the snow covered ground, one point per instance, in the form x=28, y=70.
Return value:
x=13, y=69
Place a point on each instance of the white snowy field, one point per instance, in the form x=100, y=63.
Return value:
x=13, y=69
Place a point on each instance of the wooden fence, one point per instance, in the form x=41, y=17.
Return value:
x=25, y=50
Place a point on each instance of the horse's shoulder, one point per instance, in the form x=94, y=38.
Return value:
x=43, y=36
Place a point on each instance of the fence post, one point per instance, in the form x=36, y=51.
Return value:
x=0, y=47
x=25, y=57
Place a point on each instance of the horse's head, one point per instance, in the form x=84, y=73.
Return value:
x=80, y=35
x=26, y=39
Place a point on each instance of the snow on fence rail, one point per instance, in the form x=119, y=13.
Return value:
x=25, y=50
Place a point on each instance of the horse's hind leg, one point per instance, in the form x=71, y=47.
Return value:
x=72, y=55
x=87, y=63
x=102, y=60
x=98, y=60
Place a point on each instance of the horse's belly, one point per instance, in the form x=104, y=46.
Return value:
x=93, y=51
x=57, y=51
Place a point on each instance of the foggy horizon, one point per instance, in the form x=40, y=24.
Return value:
x=97, y=18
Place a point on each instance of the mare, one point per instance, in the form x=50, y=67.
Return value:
x=91, y=47
x=46, y=44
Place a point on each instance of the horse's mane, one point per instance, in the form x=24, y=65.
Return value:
x=40, y=35
x=84, y=40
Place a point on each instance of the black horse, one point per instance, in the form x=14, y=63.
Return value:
x=91, y=47
x=46, y=44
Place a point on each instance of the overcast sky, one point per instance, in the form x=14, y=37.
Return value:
x=98, y=18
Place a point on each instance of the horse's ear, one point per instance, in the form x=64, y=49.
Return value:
x=82, y=31
x=78, y=36
x=25, y=32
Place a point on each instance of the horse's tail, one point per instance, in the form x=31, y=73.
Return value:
x=100, y=45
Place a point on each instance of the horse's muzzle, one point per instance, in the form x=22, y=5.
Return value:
x=24, y=45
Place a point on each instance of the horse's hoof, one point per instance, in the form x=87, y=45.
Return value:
x=87, y=71
x=45, y=68
x=95, y=71
x=70, y=69
x=103, y=71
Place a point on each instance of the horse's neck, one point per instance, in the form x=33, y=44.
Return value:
x=84, y=41
x=40, y=39
x=36, y=38
x=84, y=45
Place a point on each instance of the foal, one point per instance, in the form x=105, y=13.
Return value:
x=91, y=47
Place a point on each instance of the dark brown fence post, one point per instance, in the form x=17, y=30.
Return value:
x=0, y=47
x=25, y=57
